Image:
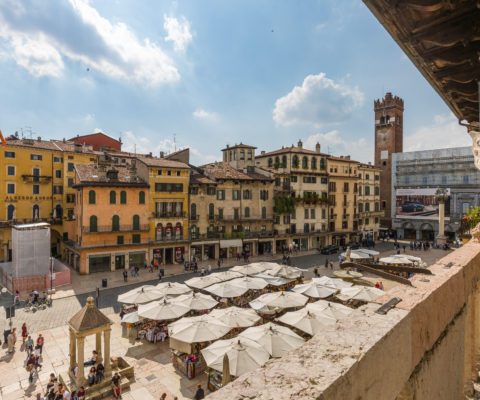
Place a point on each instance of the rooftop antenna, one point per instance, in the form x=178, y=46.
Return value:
x=175, y=141
x=134, y=148
x=28, y=129
x=328, y=149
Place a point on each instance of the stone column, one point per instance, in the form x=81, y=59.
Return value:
x=98, y=345
x=441, y=196
x=106, y=348
x=73, y=349
x=80, y=359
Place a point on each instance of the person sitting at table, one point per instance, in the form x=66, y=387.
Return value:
x=93, y=359
x=100, y=372
x=92, y=376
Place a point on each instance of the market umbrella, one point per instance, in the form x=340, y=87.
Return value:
x=395, y=260
x=408, y=257
x=249, y=269
x=196, y=301
x=285, y=271
x=334, y=283
x=197, y=329
x=162, y=310
x=250, y=283
x=355, y=256
x=330, y=309
x=225, y=370
x=313, y=289
x=131, y=317
x=363, y=293
x=368, y=251
x=201, y=282
x=345, y=274
x=307, y=321
x=226, y=289
x=236, y=317
x=271, y=280
x=173, y=288
x=244, y=355
x=262, y=308
x=226, y=275
x=283, y=299
x=143, y=294
x=276, y=339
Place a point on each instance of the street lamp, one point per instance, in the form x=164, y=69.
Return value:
x=11, y=308
x=52, y=290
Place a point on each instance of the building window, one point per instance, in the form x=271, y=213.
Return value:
x=136, y=223
x=465, y=179
x=304, y=162
x=313, y=163
x=169, y=173
x=211, y=211
x=11, y=170
x=10, y=188
x=115, y=223
x=193, y=211
x=159, y=172
x=295, y=162
x=9, y=154
x=346, y=187
x=306, y=213
x=263, y=194
x=293, y=178
x=135, y=238
x=367, y=190
x=70, y=182
x=36, y=211
x=312, y=213
x=247, y=194
x=70, y=167
x=178, y=173
x=444, y=179
x=359, y=190
x=141, y=197
x=377, y=191
x=249, y=155
x=58, y=190
x=221, y=194
x=36, y=175
x=424, y=180
x=270, y=162
x=57, y=159
x=220, y=213
x=324, y=214
x=235, y=194
x=91, y=197
x=360, y=207
x=123, y=197
x=113, y=197
x=384, y=205
x=247, y=212
x=242, y=154
x=10, y=212
x=93, y=222
x=69, y=213
x=376, y=220
x=264, y=212
x=36, y=157
x=236, y=214
x=119, y=239
x=58, y=173
x=36, y=189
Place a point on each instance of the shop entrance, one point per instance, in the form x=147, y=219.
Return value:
x=99, y=263
x=137, y=259
x=264, y=248
x=169, y=256
x=280, y=246
x=120, y=261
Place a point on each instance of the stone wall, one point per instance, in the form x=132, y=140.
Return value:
x=425, y=348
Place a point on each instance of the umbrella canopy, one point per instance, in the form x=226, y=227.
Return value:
x=162, y=310
x=196, y=301
x=355, y=256
x=408, y=257
x=283, y=299
x=313, y=289
x=271, y=280
x=131, y=317
x=334, y=283
x=344, y=274
x=395, y=260
x=368, y=251
x=363, y=293
x=262, y=308
x=197, y=329
x=244, y=355
x=249, y=269
x=250, y=283
x=236, y=317
x=201, y=282
x=173, y=288
x=226, y=289
x=330, y=309
x=276, y=339
x=284, y=271
x=140, y=295
x=307, y=321
x=225, y=275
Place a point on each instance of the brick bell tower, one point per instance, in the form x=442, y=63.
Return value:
x=388, y=140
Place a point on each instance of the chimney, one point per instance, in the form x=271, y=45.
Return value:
x=228, y=146
x=347, y=157
x=64, y=140
x=317, y=147
x=369, y=163
x=150, y=154
x=262, y=152
x=300, y=145
x=39, y=138
x=162, y=154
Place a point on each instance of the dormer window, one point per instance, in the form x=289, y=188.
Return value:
x=112, y=174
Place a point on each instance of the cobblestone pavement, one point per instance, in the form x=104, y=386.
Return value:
x=65, y=308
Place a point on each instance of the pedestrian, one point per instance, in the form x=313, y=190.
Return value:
x=136, y=270
x=195, y=267
x=39, y=397
x=331, y=265
x=246, y=257
x=377, y=285
x=202, y=271
x=11, y=338
x=30, y=367
x=199, y=394
x=125, y=276
x=221, y=259
x=81, y=393
x=404, y=248
x=24, y=332
x=218, y=264
x=29, y=345
x=326, y=263
x=209, y=269
x=40, y=341
x=381, y=285
x=315, y=271
x=117, y=387
x=163, y=396
x=159, y=275
x=145, y=265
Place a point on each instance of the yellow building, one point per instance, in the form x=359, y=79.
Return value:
x=168, y=207
x=111, y=219
x=369, y=211
x=37, y=178
x=342, y=199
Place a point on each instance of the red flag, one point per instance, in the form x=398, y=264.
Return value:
x=2, y=139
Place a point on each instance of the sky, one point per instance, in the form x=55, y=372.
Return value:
x=164, y=75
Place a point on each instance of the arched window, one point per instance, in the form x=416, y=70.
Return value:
x=141, y=197
x=193, y=211
x=178, y=231
x=10, y=212
x=136, y=223
x=91, y=197
x=247, y=212
x=113, y=197
x=123, y=197
x=313, y=163
x=249, y=156
x=36, y=211
x=168, y=231
x=230, y=154
x=322, y=164
x=277, y=161
x=159, y=232
x=211, y=231
x=387, y=119
x=264, y=212
x=270, y=162
x=58, y=211
x=382, y=120
x=304, y=162
x=211, y=211
x=295, y=162
x=115, y=223
x=242, y=154
x=194, y=232
x=284, y=161
x=93, y=223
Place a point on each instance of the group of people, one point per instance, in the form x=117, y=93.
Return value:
x=243, y=255
x=58, y=391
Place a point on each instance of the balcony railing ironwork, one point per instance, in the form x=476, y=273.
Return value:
x=119, y=228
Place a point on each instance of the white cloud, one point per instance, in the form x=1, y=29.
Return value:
x=178, y=32
x=332, y=142
x=202, y=114
x=318, y=102
x=444, y=132
x=89, y=117
x=98, y=130
x=40, y=36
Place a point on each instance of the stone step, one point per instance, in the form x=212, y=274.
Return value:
x=104, y=391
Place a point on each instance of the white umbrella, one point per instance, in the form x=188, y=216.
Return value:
x=236, y=317
x=244, y=355
x=330, y=309
x=201, y=282
x=395, y=260
x=250, y=283
x=334, y=283
x=306, y=320
x=363, y=293
x=276, y=339
x=271, y=280
x=196, y=301
x=162, y=310
x=173, y=288
x=285, y=271
x=355, y=256
x=313, y=289
x=226, y=289
x=368, y=251
x=140, y=295
x=262, y=308
x=226, y=275
x=283, y=299
x=408, y=257
x=131, y=317
x=197, y=329
x=249, y=269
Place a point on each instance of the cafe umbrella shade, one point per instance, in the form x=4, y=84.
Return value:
x=331, y=309
x=261, y=308
x=236, y=317
x=162, y=310
x=250, y=283
x=395, y=261
x=284, y=271
x=249, y=269
x=362, y=293
x=143, y=294
x=355, y=256
x=244, y=355
x=271, y=280
x=283, y=299
x=198, y=329
x=314, y=290
x=131, y=318
x=196, y=301
x=307, y=321
x=334, y=283
x=226, y=289
x=201, y=282
x=276, y=339
x=225, y=275
x=173, y=288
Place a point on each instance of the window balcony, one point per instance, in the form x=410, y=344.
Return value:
x=120, y=228
x=169, y=215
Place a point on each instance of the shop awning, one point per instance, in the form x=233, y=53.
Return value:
x=225, y=244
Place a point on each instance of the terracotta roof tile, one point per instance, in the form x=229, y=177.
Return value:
x=201, y=179
x=89, y=317
x=221, y=170
x=291, y=149
x=161, y=162
x=241, y=146
x=342, y=159
x=96, y=175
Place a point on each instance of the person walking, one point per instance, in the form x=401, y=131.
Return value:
x=218, y=264
x=24, y=332
x=326, y=263
x=29, y=345
x=40, y=340
x=315, y=271
x=209, y=269
x=125, y=276
x=11, y=341
x=199, y=394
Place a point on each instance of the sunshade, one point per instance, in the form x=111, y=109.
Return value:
x=284, y=271
x=131, y=318
x=201, y=282
x=173, y=288
x=334, y=283
x=226, y=289
x=250, y=283
x=271, y=280
x=395, y=260
x=330, y=309
x=307, y=321
x=408, y=257
x=143, y=294
x=196, y=301
x=244, y=355
x=162, y=310
x=355, y=256
x=276, y=339
x=236, y=317
x=315, y=290
x=368, y=251
x=344, y=274
x=283, y=299
x=363, y=293
x=249, y=269
x=226, y=275
x=262, y=308
x=197, y=329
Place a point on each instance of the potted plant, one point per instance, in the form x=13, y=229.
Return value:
x=469, y=221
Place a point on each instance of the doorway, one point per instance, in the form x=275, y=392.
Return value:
x=169, y=256
x=120, y=262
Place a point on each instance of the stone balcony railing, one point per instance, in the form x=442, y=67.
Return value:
x=426, y=347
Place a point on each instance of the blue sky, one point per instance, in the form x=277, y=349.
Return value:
x=210, y=72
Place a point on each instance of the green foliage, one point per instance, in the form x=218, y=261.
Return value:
x=284, y=204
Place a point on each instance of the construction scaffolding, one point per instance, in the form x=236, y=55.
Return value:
x=30, y=250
